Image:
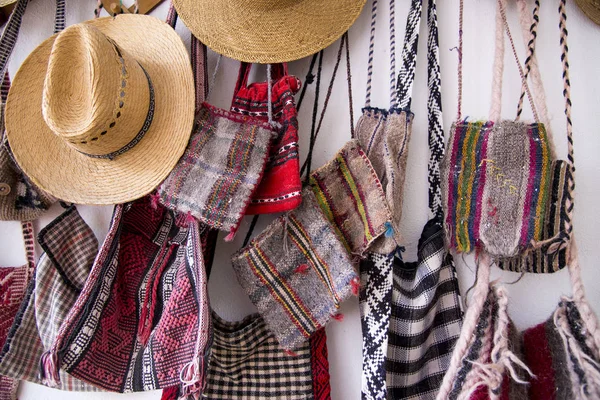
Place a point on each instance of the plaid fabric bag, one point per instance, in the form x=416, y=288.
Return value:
x=141, y=321
x=220, y=169
x=297, y=273
x=280, y=188
x=69, y=250
x=497, y=174
x=246, y=362
x=352, y=199
x=13, y=286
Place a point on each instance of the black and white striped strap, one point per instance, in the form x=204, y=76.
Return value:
x=10, y=34
x=434, y=113
x=406, y=76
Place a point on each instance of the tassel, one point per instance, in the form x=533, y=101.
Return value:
x=302, y=269
x=355, y=283
x=154, y=200
x=338, y=317
x=191, y=377
x=230, y=236
x=389, y=230
x=49, y=369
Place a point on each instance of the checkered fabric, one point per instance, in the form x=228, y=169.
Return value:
x=69, y=249
x=352, y=198
x=375, y=308
x=246, y=362
x=280, y=188
x=297, y=273
x=220, y=169
x=426, y=319
x=142, y=314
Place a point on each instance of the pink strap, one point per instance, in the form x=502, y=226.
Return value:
x=498, y=69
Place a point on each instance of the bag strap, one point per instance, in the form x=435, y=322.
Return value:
x=434, y=113
x=10, y=34
x=278, y=71
x=406, y=76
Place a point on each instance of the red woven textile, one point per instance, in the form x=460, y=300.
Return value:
x=280, y=187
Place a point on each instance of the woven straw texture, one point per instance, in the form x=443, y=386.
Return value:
x=107, y=119
x=591, y=8
x=4, y=3
x=268, y=31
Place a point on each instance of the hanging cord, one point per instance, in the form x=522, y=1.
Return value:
x=393, y=103
x=349, y=79
x=274, y=124
x=314, y=113
x=530, y=51
x=171, y=15
x=10, y=34
x=406, y=76
x=567, y=84
x=98, y=8
x=460, y=59
x=59, y=17
x=213, y=77
x=307, y=164
x=514, y=50
x=371, y=52
x=498, y=66
x=434, y=114
x=307, y=81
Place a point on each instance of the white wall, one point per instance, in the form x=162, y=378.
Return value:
x=534, y=297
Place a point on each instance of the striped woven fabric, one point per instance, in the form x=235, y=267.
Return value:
x=246, y=362
x=142, y=314
x=220, y=169
x=280, y=189
x=425, y=321
x=496, y=186
x=550, y=257
x=352, y=198
x=297, y=273
x=69, y=249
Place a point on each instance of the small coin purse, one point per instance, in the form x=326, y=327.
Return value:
x=297, y=273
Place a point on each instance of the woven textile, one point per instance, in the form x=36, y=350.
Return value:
x=496, y=186
x=69, y=249
x=384, y=136
x=280, y=188
x=563, y=364
x=246, y=362
x=142, y=314
x=550, y=257
x=352, y=199
x=220, y=169
x=426, y=319
x=375, y=309
x=297, y=273
x=13, y=283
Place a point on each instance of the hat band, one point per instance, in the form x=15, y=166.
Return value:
x=140, y=134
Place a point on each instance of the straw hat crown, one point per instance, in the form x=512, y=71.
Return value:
x=96, y=97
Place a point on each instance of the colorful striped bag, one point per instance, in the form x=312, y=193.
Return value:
x=280, y=188
x=142, y=319
x=297, y=273
x=497, y=174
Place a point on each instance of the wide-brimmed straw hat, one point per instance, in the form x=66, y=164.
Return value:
x=268, y=31
x=102, y=112
x=591, y=8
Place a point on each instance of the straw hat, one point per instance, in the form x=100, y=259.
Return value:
x=268, y=31
x=4, y=3
x=591, y=8
x=102, y=112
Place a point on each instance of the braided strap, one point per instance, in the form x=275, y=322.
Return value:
x=406, y=76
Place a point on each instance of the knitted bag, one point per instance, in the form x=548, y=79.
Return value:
x=297, y=273
x=352, y=199
x=13, y=285
x=220, y=169
x=497, y=174
x=69, y=249
x=247, y=363
x=280, y=188
x=146, y=291
x=384, y=134
x=550, y=254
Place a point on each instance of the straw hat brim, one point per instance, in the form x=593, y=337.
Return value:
x=4, y=3
x=590, y=8
x=252, y=32
x=69, y=175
